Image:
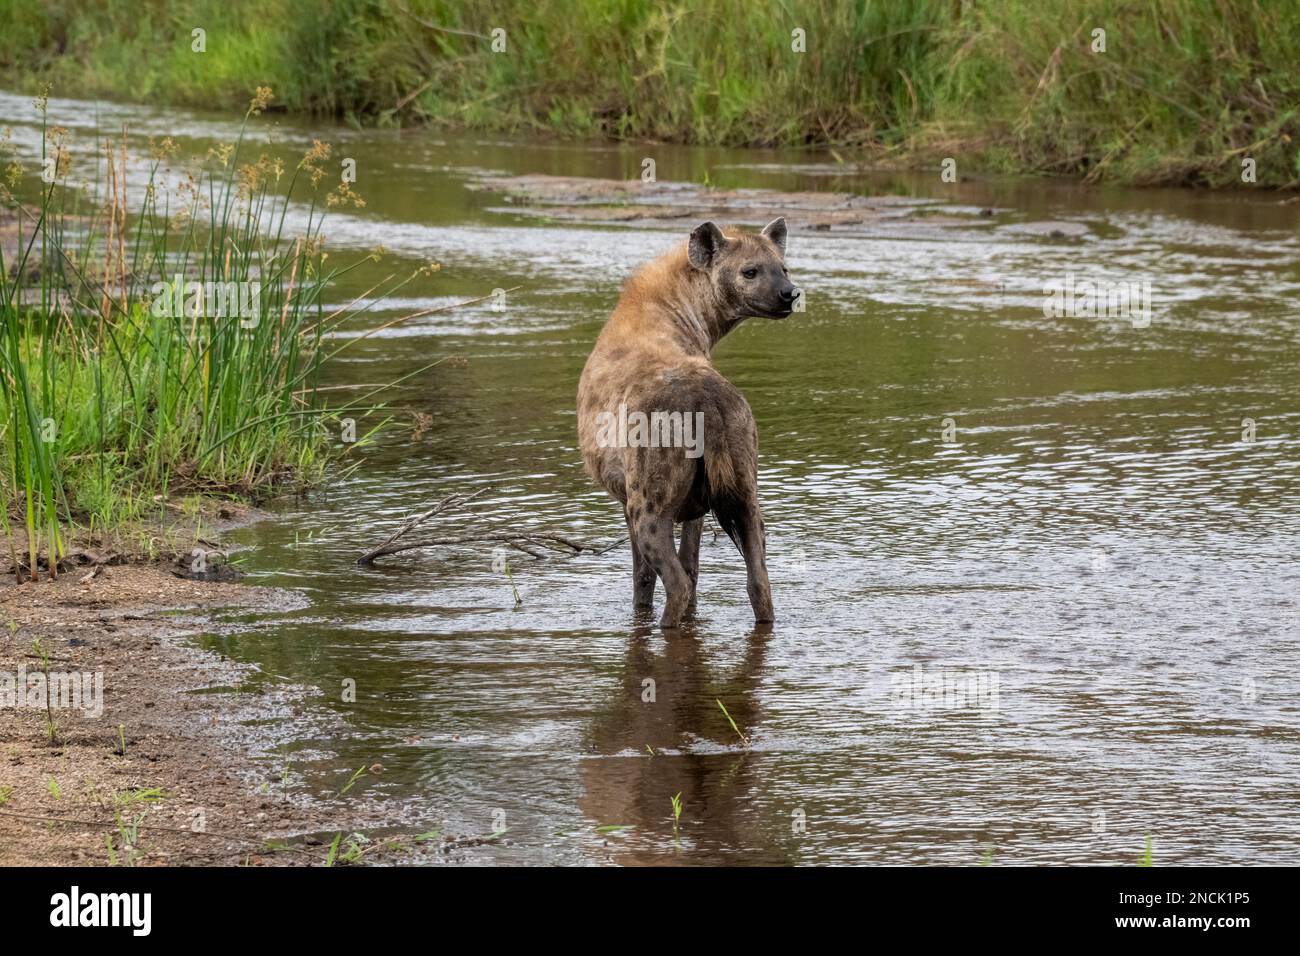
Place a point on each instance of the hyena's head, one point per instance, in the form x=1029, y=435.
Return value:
x=747, y=271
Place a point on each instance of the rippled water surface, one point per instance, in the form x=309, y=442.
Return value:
x=1098, y=557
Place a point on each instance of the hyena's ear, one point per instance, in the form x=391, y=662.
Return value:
x=775, y=230
x=707, y=241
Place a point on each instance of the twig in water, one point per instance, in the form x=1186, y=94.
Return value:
x=533, y=543
x=446, y=504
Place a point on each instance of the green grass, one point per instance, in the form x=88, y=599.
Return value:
x=1184, y=91
x=743, y=739
x=111, y=406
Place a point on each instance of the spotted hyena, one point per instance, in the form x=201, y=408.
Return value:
x=661, y=430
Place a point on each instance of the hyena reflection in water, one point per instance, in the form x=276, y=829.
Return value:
x=661, y=430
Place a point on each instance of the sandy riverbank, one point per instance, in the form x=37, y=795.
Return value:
x=148, y=763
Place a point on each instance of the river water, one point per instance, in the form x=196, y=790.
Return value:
x=1097, y=550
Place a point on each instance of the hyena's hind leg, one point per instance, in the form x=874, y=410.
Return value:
x=688, y=553
x=746, y=519
x=643, y=573
x=653, y=533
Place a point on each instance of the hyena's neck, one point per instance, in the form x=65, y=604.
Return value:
x=699, y=319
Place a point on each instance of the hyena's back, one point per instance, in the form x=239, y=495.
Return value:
x=728, y=465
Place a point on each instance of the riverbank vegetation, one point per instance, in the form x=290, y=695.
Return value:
x=1173, y=91
x=163, y=333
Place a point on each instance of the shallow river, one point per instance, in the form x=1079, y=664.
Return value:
x=1097, y=552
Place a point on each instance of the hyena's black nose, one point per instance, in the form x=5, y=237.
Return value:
x=789, y=292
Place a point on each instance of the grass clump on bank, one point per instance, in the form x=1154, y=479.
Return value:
x=1184, y=90
x=162, y=336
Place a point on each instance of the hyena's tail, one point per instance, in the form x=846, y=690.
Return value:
x=720, y=471
x=730, y=453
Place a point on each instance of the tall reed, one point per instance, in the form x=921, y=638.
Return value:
x=171, y=341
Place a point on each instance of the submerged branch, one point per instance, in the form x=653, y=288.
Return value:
x=533, y=543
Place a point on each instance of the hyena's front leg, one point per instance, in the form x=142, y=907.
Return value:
x=753, y=545
x=688, y=553
x=643, y=574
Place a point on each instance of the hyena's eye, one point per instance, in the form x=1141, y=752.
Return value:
x=749, y=273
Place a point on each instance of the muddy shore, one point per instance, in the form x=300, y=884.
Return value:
x=171, y=754
x=670, y=204
x=155, y=751
x=147, y=770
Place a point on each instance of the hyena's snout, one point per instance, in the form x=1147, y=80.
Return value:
x=781, y=302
